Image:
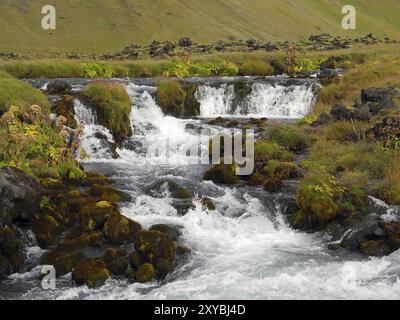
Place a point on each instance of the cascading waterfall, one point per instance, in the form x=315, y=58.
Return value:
x=264, y=100
x=95, y=139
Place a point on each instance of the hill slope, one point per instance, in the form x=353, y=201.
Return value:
x=108, y=25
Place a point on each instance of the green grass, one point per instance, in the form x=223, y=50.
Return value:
x=113, y=107
x=108, y=25
x=19, y=93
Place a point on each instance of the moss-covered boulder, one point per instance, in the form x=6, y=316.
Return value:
x=70, y=173
x=113, y=107
x=117, y=260
x=135, y=261
x=120, y=230
x=46, y=229
x=177, y=98
x=93, y=215
x=222, y=173
x=146, y=273
x=173, y=231
x=91, y=272
x=156, y=248
x=207, y=203
x=81, y=242
x=65, y=107
x=160, y=187
x=11, y=255
x=109, y=194
x=289, y=136
x=273, y=184
x=318, y=197
x=63, y=262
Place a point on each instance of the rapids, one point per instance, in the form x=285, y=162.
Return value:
x=244, y=249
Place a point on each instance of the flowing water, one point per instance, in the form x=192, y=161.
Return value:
x=244, y=249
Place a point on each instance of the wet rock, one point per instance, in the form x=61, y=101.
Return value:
x=109, y=194
x=221, y=173
x=11, y=255
x=105, y=144
x=63, y=262
x=218, y=121
x=46, y=229
x=172, y=231
x=81, y=242
x=156, y=248
x=20, y=195
x=117, y=260
x=65, y=107
x=59, y=87
x=354, y=240
x=121, y=230
x=208, y=203
x=162, y=187
x=145, y=273
x=91, y=272
x=135, y=261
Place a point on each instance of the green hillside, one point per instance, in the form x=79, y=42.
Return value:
x=109, y=25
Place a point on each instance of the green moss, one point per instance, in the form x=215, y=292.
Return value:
x=98, y=70
x=265, y=150
x=145, y=273
x=184, y=193
x=21, y=94
x=70, y=172
x=177, y=98
x=103, y=205
x=113, y=107
x=91, y=272
x=221, y=173
x=290, y=137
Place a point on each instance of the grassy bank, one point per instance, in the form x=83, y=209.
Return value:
x=218, y=64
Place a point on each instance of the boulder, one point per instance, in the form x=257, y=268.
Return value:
x=91, y=272
x=117, y=260
x=65, y=107
x=11, y=255
x=160, y=187
x=185, y=42
x=156, y=248
x=120, y=230
x=340, y=112
x=145, y=273
x=63, y=262
x=46, y=229
x=377, y=99
x=323, y=119
x=172, y=231
x=59, y=87
x=20, y=195
x=221, y=173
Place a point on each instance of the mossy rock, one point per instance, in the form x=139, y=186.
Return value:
x=46, y=229
x=63, y=262
x=11, y=250
x=97, y=179
x=117, y=260
x=65, y=107
x=207, y=203
x=146, y=273
x=109, y=194
x=120, y=230
x=266, y=150
x=113, y=106
x=177, y=98
x=53, y=187
x=375, y=248
x=6, y=267
x=91, y=272
x=156, y=248
x=81, y=242
x=256, y=179
x=71, y=173
x=159, y=187
x=135, y=261
x=222, y=173
x=290, y=137
x=91, y=217
x=172, y=231
x=318, y=197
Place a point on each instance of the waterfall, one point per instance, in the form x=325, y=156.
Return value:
x=95, y=140
x=261, y=100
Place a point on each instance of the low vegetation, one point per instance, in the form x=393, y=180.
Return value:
x=113, y=106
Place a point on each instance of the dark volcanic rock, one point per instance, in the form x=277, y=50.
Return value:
x=185, y=42
x=20, y=195
x=340, y=112
x=59, y=87
x=377, y=99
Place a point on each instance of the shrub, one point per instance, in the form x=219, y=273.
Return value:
x=256, y=68
x=389, y=188
x=183, y=69
x=98, y=70
x=290, y=137
x=113, y=106
x=265, y=150
x=20, y=93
